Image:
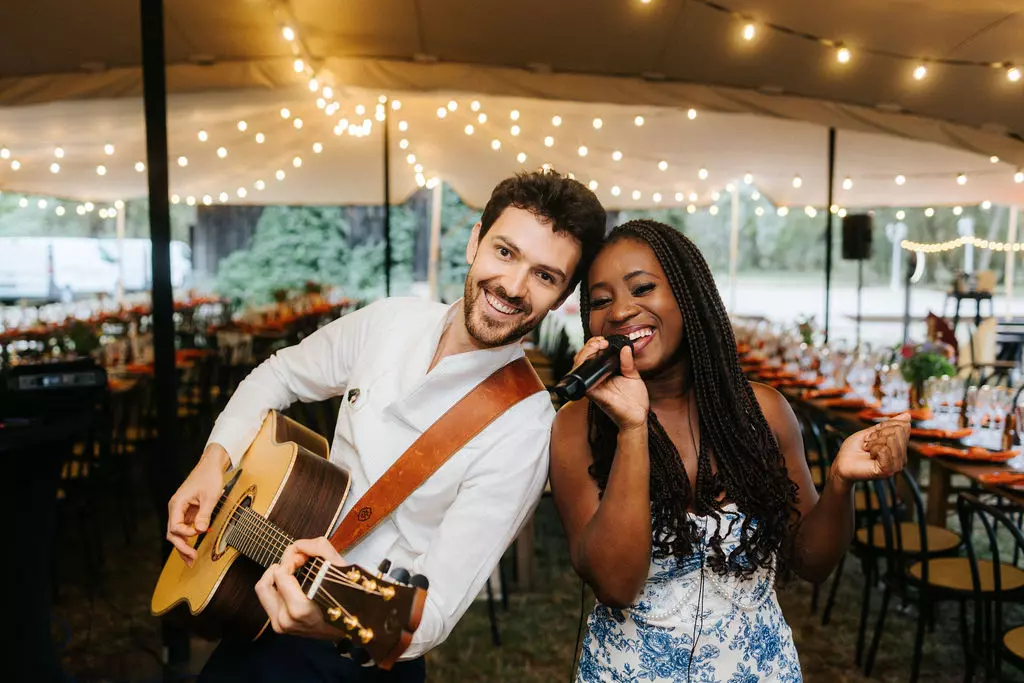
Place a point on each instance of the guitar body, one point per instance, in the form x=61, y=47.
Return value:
x=285, y=477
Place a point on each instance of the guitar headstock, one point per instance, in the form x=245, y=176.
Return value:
x=376, y=614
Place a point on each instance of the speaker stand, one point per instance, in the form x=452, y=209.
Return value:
x=860, y=286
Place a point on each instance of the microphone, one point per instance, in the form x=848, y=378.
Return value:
x=593, y=371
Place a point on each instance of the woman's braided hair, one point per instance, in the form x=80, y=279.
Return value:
x=733, y=430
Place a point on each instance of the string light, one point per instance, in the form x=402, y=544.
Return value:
x=469, y=129
x=441, y=112
x=957, y=210
x=89, y=206
x=842, y=213
x=297, y=162
x=474, y=105
x=403, y=143
x=55, y=167
x=961, y=179
x=616, y=191
x=616, y=155
x=16, y=165
x=598, y=123
x=482, y=118
x=749, y=32
x=207, y=199
x=929, y=212
x=549, y=141
x=452, y=105
x=636, y=195
x=582, y=151
x=5, y=153
x=223, y=197
x=297, y=123
x=656, y=197
x=222, y=152
x=521, y=158
x=101, y=170
x=848, y=183
x=289, y=33
x=411, y=159
x=680, y=197
x=299, y=66
x=713, y=210
x=702, y=174
x=58, y=152
x=592, y=185
x=1018, y=177
x=691, y=114
x=260, y=138
x=759, y=211
x=797, y=181
x=286, y=113
x=691, y=208
x=662, y=165
x=693, y=196
x=920, y=72
x=59, y=210
x=140, y=167
x=279, y=174
x=638, y=121
x=314, y=85
x=108, y=149
x=748, y=178
x=556, y=121
x=834, y=209
x=360, y=110
x=495, y=144
x=190, y=200
x=241, y=193
x=1013, y=73
x=23, y=203
x=317, y=148
x=41, y=203
x=900, y=215
x=515, y=131
x=514, y=114
x=994, y=159
x=260, y=185
x=782, y=211
x=986, y=205
x=80, y=210
x=715, y=196
x=843, y=55
x=900, y=180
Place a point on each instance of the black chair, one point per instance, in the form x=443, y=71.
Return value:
x=994, y=581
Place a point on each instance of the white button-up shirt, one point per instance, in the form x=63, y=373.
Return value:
x=456, y=526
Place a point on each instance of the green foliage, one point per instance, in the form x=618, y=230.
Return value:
x=457, y=221
x=924, y=364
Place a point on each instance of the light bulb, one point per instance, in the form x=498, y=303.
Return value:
x=961, y=179
x=1013, y=73
x=299, y=66
x=994, y=159
x=702, y=174
x=314, y=85
x=616, y=191
x=207, y=199
x=715, y=196
x=190, y=200
x=759, y=211
x=260, y=138
x=713, y=210
x=598, y=123
x=556, y=121
x=101, y=170
x=80, y=210
x=842, y=213
x=514, y=114
x=797, y=181
x=549, y=141
x=297, y=162
x=592, y=185
x=452, y=105
x=469, y=129
x=403, y=126
x=242, y=126
x=360, y=110
x=58, y=152
x=900, y=180
x=957, y=210
x=89, y=206
x=441, y=112
x=495, y=144
x=749, y=32
x=475, y=105
x=411, y=159
x=636, y=195
x=521, y=157
x=5, y=153
x=23, y=203
x=920, y=72
x=755, y=195
x=693, y=196
x=843, y=55
x=140, y=167
x=730, y=187
x=748, y=178
x=1018, y=177
x=810, y=211
x=297, y=122
x=317, y=148
x=59, y=210
x=321, y=103
x=617, y=155
x=403, y=143
x=279, y=174
x=783, y=211
x=929, y=212
x=638, y=121
x=108, y=150
x=582, y=151
x=242, y=192
x=41, y=203
x=691, y=209
x=482, y=118
x=848, y=183
x=222, y=152
x=656, y=197
x=285, y=113
x=691, y=113
x=259, y=185
x=900, y=215
x=834, y=209
x=289, y=33
x=55, y=167
x=515, y=131
x=223, y=197
x=327, y=92
x=662, y=165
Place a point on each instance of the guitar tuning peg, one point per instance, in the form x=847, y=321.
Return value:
x=384, y=566
x=400, y=575
x=420, y=581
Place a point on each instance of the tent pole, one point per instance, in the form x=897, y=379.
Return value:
x=828, y=226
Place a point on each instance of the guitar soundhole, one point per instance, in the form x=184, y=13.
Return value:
x=225, y=534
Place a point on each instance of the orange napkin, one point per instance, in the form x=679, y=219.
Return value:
x=931, y=450
x=806, y=383
x=1004, y=478
x=872, y=414
x=940, y=433
x=832, y=392
x=139, y=369
x=855, y=403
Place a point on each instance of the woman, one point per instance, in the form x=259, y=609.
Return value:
x=683, y=487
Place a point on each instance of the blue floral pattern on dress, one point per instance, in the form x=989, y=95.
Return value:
x=741, y=634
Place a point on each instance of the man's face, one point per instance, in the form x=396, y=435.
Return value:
x=518, y=272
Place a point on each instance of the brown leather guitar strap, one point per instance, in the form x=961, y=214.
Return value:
x=453, y=430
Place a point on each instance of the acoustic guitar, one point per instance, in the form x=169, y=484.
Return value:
x=285, y=488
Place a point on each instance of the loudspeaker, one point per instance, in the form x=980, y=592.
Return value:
x=857, y=237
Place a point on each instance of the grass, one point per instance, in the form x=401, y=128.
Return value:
x=111, y=637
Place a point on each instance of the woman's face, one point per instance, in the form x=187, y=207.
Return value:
x=630, y=295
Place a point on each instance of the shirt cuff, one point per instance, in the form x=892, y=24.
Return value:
x=235, y=436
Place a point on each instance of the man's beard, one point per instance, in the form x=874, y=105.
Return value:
x=486, y=330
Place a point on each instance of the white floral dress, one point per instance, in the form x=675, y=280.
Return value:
x=741, y=634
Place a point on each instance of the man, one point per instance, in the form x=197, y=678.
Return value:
x=401, y=364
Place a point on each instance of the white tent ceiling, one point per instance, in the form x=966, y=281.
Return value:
x=69, y=77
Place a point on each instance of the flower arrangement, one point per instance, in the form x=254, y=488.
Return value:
x=918, y=362
x=806, y=329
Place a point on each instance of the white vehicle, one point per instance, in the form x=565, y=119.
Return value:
x=63, y=268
